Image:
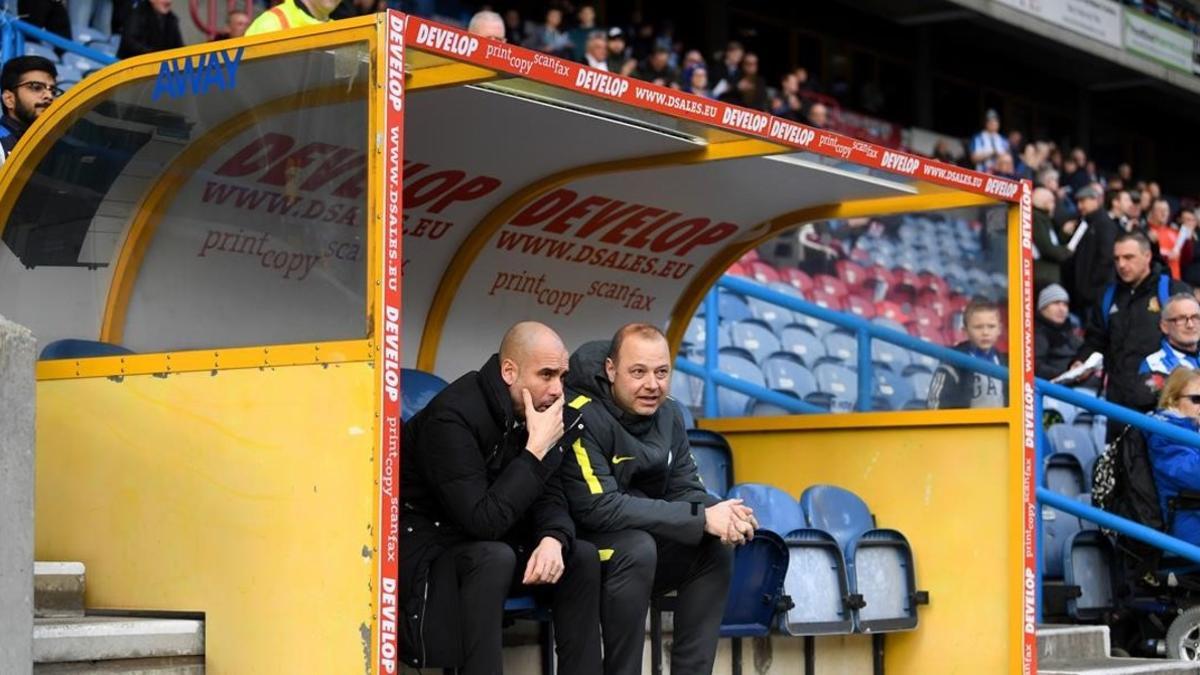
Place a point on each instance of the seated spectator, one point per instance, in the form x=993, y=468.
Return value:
x=787, y=102
x=693, y=58
x=595, y=54
x=1176, y=466
x=235, y=25
x=28, y=85
x=48, y=14
x=1055, y=340
x=487, y=24
x=728, y=70
x=549, y=37
x=151, y=27
x=618, y=58
x=514, y=28
x=1164, y=236
x=695, y=81
x=657, y=69
x=484, y=512
x=581, y=34
x=1180, y=325
x=1003, y=167
x=988, y=144
x=943, y=152
x=750, y=90
x=957, y=387
x=818, y=116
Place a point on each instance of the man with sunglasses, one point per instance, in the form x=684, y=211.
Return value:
x=28, y=85
x=1180, y=325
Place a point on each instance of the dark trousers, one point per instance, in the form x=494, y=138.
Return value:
x=464, y=613
x=638, y=565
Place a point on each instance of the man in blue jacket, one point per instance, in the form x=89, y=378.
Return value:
x=28, y=85
x=635, y=493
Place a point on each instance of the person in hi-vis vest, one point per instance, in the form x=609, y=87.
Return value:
x=293, y=14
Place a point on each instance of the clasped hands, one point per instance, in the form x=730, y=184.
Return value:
x=731, y=520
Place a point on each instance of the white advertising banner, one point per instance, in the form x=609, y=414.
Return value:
x=1097, y=19
x=1158, y=41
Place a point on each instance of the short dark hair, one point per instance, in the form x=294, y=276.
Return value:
x=976, y=305
x=15, y=68
x=1142, y=242
x=646, y=331
x=1112, y=196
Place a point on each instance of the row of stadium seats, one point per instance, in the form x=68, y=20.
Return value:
x=72, y=67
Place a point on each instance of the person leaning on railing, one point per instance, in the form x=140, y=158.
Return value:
x=1176, y=465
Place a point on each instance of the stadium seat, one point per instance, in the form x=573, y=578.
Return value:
x=38, y=49
x=893, y=388
x=786, y=371
x=714, y=460
x=926, y=317
x=831, y=285
x=841, y=346
x=1068, y=438
x=801, y=341
x=893, y=312
x=879, y=562
x=1089, y=566
x=1057, y=529
x=417, y=389
x=860, y=306
x=731, y=306
x=894, y=356
x=772, y=315
x=851, y=273
x=756, y=591
x=737, y=363
x=919, y=377
x=689, y=420
x=1064, y=474
x=71, y=348
x=828, y=300
x=840, y=383
x=776, y=510
x=694, y=334
x=798, y=279
x=755, y=336
x=762, y=272
x=737, y=270
x=89, y=35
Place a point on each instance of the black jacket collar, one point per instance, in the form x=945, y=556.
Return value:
x=496, y=393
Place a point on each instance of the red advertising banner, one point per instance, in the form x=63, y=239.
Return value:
x=528, y=64
x=387, y=338
x=1028, y=440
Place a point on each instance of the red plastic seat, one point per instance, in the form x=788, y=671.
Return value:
x=891, y=310
x=828, y=300
x=930, y=334
x=926, y=317
x=851, y=273
x=931, y=283
x=737, y=270
x=749, y=257
x=831, y=285
x=762, y=272
x=860, y=306
x=798, y=280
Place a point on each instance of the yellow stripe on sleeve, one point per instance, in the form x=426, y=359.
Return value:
x=579, y=401
x=585, y=466
x=605, y=554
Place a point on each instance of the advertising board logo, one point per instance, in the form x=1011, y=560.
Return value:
x=601, y=83
x=444, y=40
x=897, y=162
x=744, y=119
x=197, y=74
x=1000, y=188
x=791, y=133
x=395, y=67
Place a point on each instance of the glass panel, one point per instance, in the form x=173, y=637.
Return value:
x=919, y=275
x=240, y=184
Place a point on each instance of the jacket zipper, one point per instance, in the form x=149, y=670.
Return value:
x=421, y=620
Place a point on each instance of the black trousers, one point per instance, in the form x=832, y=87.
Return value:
x=464, y=612
x=639, y=565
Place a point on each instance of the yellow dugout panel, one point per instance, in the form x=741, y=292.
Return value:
x=246, y=495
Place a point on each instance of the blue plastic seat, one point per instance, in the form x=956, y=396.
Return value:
x=1058, y=527
x=1064, y=474
x=894, y=356
x=776, y=510
x=840, y=383
x=417, y=389
x=879, y=562
x=755, y=336
x=71, y=348
x=758, y=408
x=893, y=388
x=686, y=389
x=694, y=333
x=785, y=371
x=772, y=315
x=801, y=341
x=38, y=49
x=732, y=307
x=714, y=460
x=919, y=380
x=737, y=363
x=843, y=346
x=1073, y=440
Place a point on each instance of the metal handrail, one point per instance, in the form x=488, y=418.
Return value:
x=14, y=31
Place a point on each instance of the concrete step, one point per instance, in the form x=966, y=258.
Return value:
x=1068, y=642
x=1115, y=666
x=105, y=638
x=171, y=665
x=58, y=589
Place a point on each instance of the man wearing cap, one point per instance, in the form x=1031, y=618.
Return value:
x=988, y=145
x=28, y=85
x=618, y=61
x=1094, y=250
x=1055, y=341
x=1180, y=325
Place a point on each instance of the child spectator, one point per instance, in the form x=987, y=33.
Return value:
x=956, y=387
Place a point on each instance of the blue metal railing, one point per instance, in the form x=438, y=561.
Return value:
x=13, y=32
x=866, y=331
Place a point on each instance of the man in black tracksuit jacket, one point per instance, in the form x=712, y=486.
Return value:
x=484, y=512
x=635, y=493
x=1127, y=330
